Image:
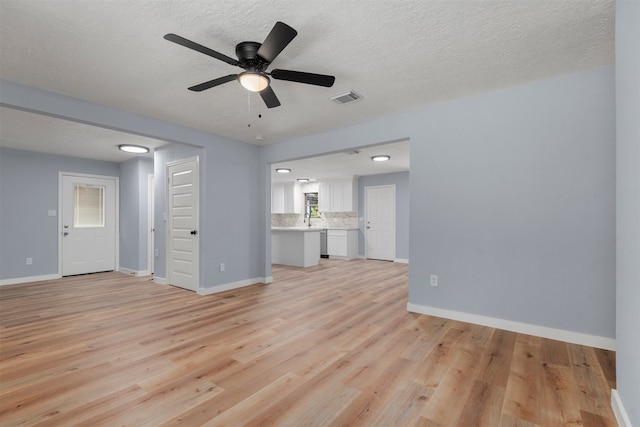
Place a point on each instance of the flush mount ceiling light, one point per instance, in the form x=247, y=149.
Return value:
x=253, y=81
x=135, y=149
x=303, y=179
x=381, y=158
x=283, y=170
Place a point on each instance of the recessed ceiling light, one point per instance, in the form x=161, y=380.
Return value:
x=135, y=149
x=382, y=158
x=283, y=170
x=303, y=179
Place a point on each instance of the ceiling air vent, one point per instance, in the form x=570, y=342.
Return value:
x=345, y=98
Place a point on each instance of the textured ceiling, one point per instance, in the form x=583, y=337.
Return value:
x=398, y=55
x=33, y=132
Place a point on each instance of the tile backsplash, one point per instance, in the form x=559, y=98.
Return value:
x=327, y=220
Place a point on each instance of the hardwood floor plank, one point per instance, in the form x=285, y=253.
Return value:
x=484, y=405
x=607, y=362
x=594, y=392
x=525, y=388
x=329, y=345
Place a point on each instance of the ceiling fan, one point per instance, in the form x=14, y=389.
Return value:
x=255, y=58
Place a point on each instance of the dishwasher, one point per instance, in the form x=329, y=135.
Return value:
x=323, y=244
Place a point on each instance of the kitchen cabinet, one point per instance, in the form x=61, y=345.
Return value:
x=340, y=195
x=324, y=197
x=285, y=197
x=342, y=244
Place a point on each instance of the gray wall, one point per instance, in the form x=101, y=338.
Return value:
x=28, y=190
x=516, y=212
x=628, y=206
x=401, y=181
x=134, y=215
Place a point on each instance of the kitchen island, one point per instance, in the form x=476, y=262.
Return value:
x=295, y=246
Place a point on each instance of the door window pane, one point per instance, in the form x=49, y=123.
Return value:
x=88, y=206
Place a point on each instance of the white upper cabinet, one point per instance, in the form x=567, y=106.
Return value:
x=339, y=195
x=324, y=197
x=285, y=197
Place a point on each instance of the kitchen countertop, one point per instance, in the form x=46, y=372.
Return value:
x=296, y=229
x=309, y=228
x=341, y=228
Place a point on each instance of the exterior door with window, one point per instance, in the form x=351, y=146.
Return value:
x=88, y=224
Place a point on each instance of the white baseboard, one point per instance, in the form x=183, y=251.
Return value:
x=618, y=410
x=28, y=279
x=234, y=285
x=134, y=272
x=160, y=280
x=400, y=260
x=523, y=328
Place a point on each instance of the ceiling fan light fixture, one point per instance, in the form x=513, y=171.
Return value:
x=253, y=81
x=381, y=158
x=135, y=149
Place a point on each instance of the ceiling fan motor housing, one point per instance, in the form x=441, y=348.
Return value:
x=247, y=53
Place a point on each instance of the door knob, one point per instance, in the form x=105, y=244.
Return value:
x=194, y=232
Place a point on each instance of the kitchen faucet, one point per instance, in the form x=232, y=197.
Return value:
x=306, y=215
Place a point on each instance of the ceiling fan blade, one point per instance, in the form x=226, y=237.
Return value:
x=280, y=36
x=199, y=48
x=214, y=82
x=269, y=97
x=302, y=77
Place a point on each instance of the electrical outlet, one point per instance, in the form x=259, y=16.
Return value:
x=157, y=253
x=29, y=261
x=434, y=280
x=222, y=266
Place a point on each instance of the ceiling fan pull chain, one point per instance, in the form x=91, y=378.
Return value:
x=249, y=109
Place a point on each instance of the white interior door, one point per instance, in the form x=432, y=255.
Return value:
x=151, y=224
x=380, y=231
x=89, y=222
x=183, y=204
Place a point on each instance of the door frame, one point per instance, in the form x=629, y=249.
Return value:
x=151, y=227
x=395, y=219
x=116, y=180
x=168, y=263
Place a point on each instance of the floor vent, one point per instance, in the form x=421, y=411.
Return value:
x=345, y=98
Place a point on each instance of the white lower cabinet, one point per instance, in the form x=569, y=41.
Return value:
x=342, y=244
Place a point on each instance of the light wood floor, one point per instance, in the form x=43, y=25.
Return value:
x=327, y=345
